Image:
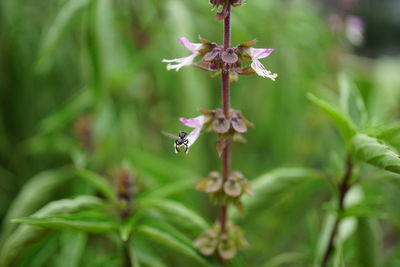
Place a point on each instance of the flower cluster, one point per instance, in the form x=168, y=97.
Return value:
x=225, y=245
x=215, y=58
x=234, y=125
x=225, y=4
x=215, y=120
x=223, y=192
x=125, y=191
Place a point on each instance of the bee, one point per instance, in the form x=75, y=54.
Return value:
x=180, y=140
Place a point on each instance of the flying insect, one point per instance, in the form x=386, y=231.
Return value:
x=180, y=140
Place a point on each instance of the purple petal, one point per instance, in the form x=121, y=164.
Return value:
x=221, y=125
x=355, y=30
x=192, y=47
x=257, y=53
x=211, y=55
x=192, y=136
x=239, y=125
x=229, y=56
x=196, y=122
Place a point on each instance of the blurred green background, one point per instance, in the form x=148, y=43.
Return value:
x=82, y=84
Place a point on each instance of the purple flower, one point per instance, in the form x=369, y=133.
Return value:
x=355, y=30
x=256, y=54
x=196, y=123
x=184, y=61
x=351, y=26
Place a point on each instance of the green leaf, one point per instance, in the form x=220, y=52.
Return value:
x=372, y=150
x=72, y=248
x=171, y=241
x=115, y=67
x=346, y=228
x=146, y=254
x=386, y=132
x=57, y=29
x=274, y=183
x=384, y=96
x=179, y=212
x=24, y=235
x=67, y=113
x=338, y=259
x=368, y=243
x=88, y=223
x=342, y=122
x=146, y=162
x=98, y=182
x=127, y=227
x=351, y=101
x=169, y=189
x=35, y=193
x=285, y=259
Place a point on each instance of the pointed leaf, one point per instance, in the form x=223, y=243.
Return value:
x=172, y=242
x=35, y=193
x=385, y=132
x=98, y=182
x=275, y=182
x=373, y=151
x=180, y=212
x=67, y=113
x=342, y=122
x=24, y=235
x=52, y=37
x=72, y=248
x=351, y=101
x=87, y=224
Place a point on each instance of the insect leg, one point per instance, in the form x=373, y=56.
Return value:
x=186, y=149
x=185, y=143
x=176, y=145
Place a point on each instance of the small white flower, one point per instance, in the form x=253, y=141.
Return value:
x=256, y=54
x=355, y=30
x=197, y=124
x=184, y=61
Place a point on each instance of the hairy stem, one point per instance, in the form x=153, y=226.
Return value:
x=343, y=188
x=225, y=96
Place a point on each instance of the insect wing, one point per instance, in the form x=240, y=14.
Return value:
x=170, y=135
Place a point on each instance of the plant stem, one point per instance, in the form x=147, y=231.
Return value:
x=127, y=256
x=226, y=106
x=225, y=96
x=343, y=188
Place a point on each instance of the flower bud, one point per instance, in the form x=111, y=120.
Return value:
x=125, y=191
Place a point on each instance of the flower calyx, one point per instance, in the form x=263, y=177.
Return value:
x=219, y=123
x=223, y=244
x=224, y=4
x=223, y=192
x=228, y=128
